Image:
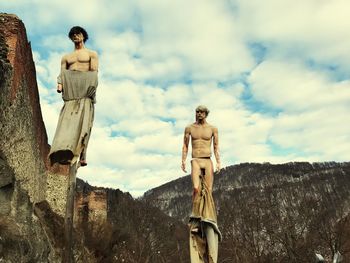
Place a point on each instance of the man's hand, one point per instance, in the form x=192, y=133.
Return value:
x=183, y=167
x=59, y=88
x=218, y=167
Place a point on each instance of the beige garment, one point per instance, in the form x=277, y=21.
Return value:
x=76, y=118
x=204, y=231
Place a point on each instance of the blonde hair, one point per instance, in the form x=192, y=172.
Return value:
x=203, y=108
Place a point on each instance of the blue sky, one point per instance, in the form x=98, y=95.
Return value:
x=274, y=74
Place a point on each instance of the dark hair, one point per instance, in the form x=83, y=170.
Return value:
x=77, y=30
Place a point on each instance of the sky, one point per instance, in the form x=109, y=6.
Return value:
x=275, y=75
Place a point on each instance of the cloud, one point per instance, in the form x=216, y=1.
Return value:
x=313, y=29
x=145, y=126
x=201, y=33
x=63, y=14
x=276, y=82
x=323, y=132
x=293, y=87
x=121, y=57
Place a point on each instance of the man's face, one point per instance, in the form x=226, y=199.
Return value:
x=77, y=38
x=200, y=115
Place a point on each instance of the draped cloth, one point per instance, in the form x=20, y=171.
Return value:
x=76, y=118
x=204, y=231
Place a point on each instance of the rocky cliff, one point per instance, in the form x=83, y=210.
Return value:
x=23, y=151
x=23, y=137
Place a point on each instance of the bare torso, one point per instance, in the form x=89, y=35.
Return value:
x=80, y=60
x=201, y=138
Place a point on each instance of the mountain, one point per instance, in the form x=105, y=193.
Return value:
x=118, y=228
x=273, y=212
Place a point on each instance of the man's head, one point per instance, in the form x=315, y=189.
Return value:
x=76, y=30
x=201, y=112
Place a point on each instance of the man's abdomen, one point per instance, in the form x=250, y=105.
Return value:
x=201, y=153
x=201, y=149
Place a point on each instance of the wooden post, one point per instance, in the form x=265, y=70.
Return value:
x=68, y=220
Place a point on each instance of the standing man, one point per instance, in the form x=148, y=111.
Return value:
x=204, y=232
x=77, y=82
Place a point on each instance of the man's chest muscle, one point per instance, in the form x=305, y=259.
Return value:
x=204, y=133
x=82, y=57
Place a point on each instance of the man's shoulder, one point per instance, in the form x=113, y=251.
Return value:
x=65, y=56
x=212, y=127
x=92, y=53
x=190, y=126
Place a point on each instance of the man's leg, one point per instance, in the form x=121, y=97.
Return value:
x=83, y=151
x=195, y=172
x=85, y=141
x=209, y=174
x=83, y=158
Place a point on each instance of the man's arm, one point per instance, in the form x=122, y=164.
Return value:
x=59, y=81
x=93, y=61
x=216, y=148
x=187, y=135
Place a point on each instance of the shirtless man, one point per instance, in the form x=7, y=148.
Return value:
x=202, y=135
x=81, y=59
x=204, y=232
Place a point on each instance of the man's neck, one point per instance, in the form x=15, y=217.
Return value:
x=78, y=46
x=201, y=122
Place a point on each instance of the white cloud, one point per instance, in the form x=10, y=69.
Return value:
x=161, y=143
x=313, y=29
x=324, y=132
x=57, y=15
x=293, y=87
x=145, y=126
x=59, y=43
x=315, y=109
x=202, y=33
x=161, y=59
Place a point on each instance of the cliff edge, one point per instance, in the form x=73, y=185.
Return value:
x=24, y=167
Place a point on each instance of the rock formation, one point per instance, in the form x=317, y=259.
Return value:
x=23, y=150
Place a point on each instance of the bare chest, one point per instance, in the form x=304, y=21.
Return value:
x=201, y=133
x=78, y=57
